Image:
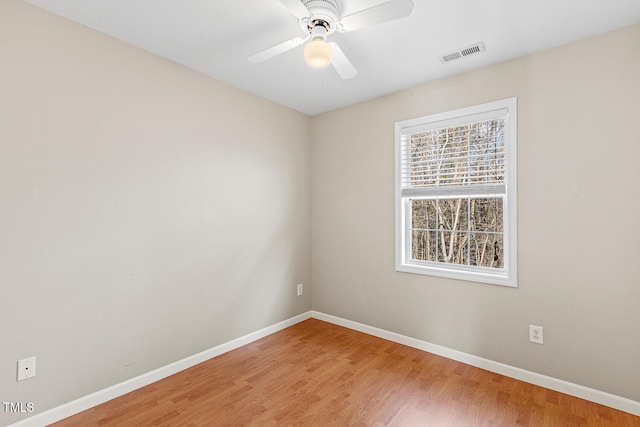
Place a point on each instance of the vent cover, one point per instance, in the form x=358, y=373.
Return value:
x=462, y=52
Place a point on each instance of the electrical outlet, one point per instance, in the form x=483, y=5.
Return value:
x=535, y=334
x=300, y=289
x=26, y=368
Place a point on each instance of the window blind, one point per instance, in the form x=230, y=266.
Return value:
x=460, y=155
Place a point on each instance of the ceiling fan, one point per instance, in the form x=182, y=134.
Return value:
x=320, y=18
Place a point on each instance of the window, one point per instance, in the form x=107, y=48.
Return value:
x=456, y=194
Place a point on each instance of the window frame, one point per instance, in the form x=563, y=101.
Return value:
x=506, y=276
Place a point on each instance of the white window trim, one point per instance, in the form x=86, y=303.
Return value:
x=509, y=274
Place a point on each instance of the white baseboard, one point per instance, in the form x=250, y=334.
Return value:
x=82, y=404
x=586, y=393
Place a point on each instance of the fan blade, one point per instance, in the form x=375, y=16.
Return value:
x=296, y=7
x=341, y=63
x=277, y=49
x=388, y=11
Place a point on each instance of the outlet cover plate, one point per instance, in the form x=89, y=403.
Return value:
x=535, y=334
x=26, y=368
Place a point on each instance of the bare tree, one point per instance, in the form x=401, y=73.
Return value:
x=459, y=230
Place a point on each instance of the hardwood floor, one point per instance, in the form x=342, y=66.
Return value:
x=319, y=374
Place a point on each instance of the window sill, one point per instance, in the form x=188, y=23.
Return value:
x=500, y=277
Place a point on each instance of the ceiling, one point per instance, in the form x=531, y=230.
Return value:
x=215, y=37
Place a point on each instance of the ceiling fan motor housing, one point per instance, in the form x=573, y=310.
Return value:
x=323, y=12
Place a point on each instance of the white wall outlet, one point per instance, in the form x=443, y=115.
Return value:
x=535, y=334
x=26, y=368
x=300, y=289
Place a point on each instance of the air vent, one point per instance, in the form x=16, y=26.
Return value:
x=462, y=52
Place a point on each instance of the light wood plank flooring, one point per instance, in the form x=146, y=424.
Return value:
x=319, y=374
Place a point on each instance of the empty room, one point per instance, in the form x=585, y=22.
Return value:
x=319, y=212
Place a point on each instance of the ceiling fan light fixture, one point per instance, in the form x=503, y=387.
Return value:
x=318, y=53
x=318, y=19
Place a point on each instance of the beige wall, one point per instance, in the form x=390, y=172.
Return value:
x=147, y=212
x=578, y=235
